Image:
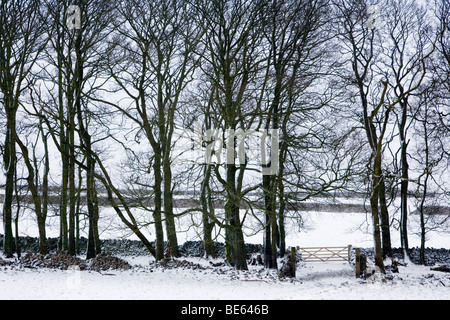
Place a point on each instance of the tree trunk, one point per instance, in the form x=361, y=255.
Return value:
x=45, y=187
x=282, y=200
x=425, y=190
x=94, y=244
x=168, y=208
x=404, y=201
x=208, y=211
x=376, y=233
x=268, y=249
x=159, y=247
x=385, y=222
x=375, y=213
x=235, y=235
x=77, y=212
x=270, y=186
x=16, y=227
x=422, y=221
x=69, y=230
x=272, y=235
x=62, y=243
x=377, y=178
x=10, y=160
x=43, y=247
x=404, y=176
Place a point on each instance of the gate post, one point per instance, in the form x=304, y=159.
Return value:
x=294, y=261
x=358, y=262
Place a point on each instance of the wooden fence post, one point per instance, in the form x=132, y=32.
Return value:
x=358, y=262
x=294, y=261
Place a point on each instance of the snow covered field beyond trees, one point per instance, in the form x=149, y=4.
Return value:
x=197, y=279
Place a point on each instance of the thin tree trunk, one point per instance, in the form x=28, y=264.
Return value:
x=43, y=247
x=404, y=202
x=168, y=208
x=94, y=245
x=375, y=213
x=268, y=249
x=422, y=215
x=77, y=211
x=159, y=247
x=208, y=210
x=425, y=190
x=65, y=147
x=45, y=178
x=404, y=176
x=69, y=235
x=376, y=144
x=385, y=223
x=10, y=168
x=16, y=220
x=282, y=200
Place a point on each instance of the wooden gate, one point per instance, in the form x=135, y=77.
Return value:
x=324, y=254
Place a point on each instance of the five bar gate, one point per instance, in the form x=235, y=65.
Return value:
x=324, y=254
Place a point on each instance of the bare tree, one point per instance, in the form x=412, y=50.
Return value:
x=75, y=63
x=57, y=72
x=231, y=61
x=429, y=156
x=432, y=131
x=155, y=40
x=202, y=99
x=441, y=67
x=294, y=35
x=400, y=73
x=361, y=49
x=20, y=43
x=407, y=52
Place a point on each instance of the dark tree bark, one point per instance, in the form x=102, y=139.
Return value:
x=10, y=162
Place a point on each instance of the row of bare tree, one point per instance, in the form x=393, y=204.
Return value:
x=357, y=90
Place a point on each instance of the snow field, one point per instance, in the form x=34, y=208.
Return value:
x=330, y=281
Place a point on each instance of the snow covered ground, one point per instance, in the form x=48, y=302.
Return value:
x=314, y=281
x=332, y=280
